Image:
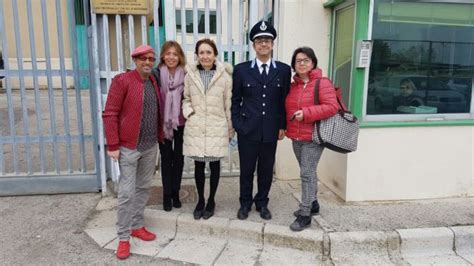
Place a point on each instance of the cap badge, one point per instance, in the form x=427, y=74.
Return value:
x=263, y=26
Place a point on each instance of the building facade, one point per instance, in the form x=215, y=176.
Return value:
x=412, y=95
x=411, y=146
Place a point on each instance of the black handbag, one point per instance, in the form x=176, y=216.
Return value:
x=340, y=132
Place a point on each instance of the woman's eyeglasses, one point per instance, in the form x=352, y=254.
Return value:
x=303, y=61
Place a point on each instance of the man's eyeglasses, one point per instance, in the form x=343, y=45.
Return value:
x=262, y=41
x=144, y=58
x=303, y=61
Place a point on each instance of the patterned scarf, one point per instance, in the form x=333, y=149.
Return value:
x=172, y=88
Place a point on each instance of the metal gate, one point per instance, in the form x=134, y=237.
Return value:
x=51, y=130
x=113, y=39
x=225, y=21
x=47, y=122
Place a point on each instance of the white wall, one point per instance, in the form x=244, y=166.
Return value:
x=304, y=23
x=332, y=171
x=411, y=163
x=301, y=23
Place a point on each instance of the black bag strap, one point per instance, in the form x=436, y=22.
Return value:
x=341, y=106
x=316, y=92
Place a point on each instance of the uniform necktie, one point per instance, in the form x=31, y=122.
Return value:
x=264, y=71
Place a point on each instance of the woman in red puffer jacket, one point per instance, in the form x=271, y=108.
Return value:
x=301, y=114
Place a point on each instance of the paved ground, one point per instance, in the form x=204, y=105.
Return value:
x=52, y=229
x=337, y=215
x=282, y=202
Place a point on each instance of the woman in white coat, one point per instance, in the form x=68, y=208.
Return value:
x=206, y=106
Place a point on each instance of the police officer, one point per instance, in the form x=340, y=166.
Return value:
x=258, y=115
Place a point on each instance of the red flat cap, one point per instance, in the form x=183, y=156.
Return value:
x=142, y=49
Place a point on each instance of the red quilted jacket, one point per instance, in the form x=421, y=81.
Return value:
x=123, y=111
x=301, y=97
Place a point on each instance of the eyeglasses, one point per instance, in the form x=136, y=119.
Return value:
x=303, y=61
x=144, y=58
x=262, y=41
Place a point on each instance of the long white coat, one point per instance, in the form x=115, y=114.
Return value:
x=209, y=125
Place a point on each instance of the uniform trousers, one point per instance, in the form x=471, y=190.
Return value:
x=260, y=155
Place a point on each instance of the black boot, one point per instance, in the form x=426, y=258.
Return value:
x=209, y=211
x=167, y=203
x=176, y=201
x=198, y=211
x=314, y=209
x=301, y=223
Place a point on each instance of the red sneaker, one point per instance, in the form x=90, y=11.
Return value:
x=143, y=234
x=123, y=250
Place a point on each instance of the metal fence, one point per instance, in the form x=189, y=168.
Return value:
x=51, y=130
x=45, y=146
x=227, y=22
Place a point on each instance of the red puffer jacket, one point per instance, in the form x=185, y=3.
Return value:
x=301, y=97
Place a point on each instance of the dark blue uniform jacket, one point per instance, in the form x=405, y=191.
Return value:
x=258, y=102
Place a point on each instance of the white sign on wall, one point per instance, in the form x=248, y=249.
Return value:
x=364, y=53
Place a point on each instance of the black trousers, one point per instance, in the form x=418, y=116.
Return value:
x=172, y=161
x=260, y=155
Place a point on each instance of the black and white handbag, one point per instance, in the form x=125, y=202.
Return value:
x=340, y=132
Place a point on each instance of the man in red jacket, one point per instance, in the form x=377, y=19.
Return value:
x=132, y=129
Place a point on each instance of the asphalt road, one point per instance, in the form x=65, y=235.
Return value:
x=49, y=230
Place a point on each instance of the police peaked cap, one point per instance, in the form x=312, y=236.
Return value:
x=262, y=29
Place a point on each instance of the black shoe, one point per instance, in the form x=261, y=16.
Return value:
x=197, y=213
x=301, y=223
x=243, y=213
x=209, y=211
x=176, y=202
x=314, y=209
x=264, y=213
x=167, y=203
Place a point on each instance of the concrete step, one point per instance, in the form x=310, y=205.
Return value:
x=223, y=241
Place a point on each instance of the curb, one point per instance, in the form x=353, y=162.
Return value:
x=426, y=241
x=429, y=245
x=213, y=227
x=387, y=244
x=464, y=242
x=360, y=247
x=282, y=236
x=246, y=231
x=445, y=245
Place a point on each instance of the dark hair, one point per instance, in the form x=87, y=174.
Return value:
x=172, y=44
x=206, y=41
x=409, y=82
x=308, y=52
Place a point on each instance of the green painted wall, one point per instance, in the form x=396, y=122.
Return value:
x=82, y=51
x=358, y=74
